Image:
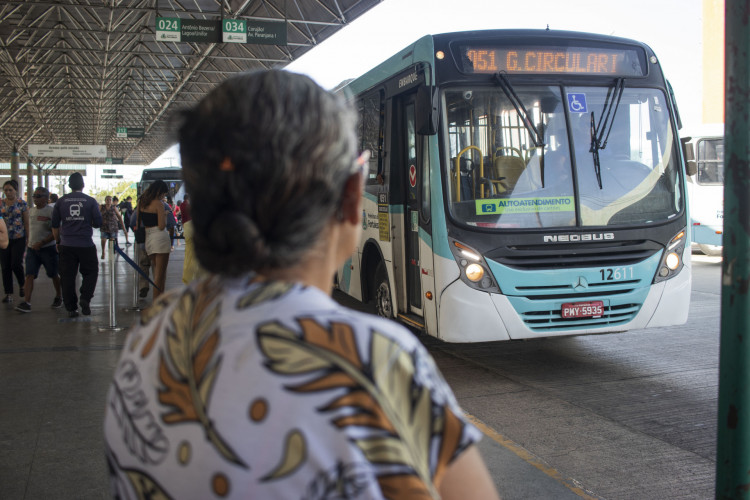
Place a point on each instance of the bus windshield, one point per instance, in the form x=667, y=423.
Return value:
x=507, y=172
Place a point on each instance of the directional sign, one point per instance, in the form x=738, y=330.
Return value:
x=201, y=31
x=175, y=29
x=67, y=151
x=130, y=132
x=266, y=32
x=234, y=31
x=168, y=29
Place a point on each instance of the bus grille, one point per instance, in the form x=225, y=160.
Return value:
x=575, y=255
x=538, y=281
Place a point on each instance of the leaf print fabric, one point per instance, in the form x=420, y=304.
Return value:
x=237, y=388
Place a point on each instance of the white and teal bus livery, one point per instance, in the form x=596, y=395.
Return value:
x=522, y=184
x=706, y=192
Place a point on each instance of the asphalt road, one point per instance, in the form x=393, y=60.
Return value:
x=618, y=416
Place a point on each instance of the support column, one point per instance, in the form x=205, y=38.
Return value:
x=14, y=167
x=29, y=182
x=733, y=452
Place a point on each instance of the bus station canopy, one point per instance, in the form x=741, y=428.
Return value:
x=82, y=73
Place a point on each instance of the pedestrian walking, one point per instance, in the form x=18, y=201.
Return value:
x=111, y=222
x=73, y=219
x=15, y=212
x=42, y=251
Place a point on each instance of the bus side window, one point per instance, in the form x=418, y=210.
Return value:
x=371, y=110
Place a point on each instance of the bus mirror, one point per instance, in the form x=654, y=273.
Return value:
x=426, y=111
x=691, y=167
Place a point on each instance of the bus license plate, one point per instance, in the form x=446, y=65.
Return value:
x=593, y=309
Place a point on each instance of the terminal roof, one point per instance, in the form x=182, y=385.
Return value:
x=72, y=71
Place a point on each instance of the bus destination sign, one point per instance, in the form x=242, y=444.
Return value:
x=553, y=60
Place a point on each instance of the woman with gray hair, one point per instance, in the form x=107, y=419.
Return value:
x=253, y=382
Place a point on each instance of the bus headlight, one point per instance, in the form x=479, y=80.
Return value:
x=671, y=263
x=474, y=270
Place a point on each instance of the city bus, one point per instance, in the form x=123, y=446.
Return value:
x=522, y=184
x=706, y=193
x=171, y=175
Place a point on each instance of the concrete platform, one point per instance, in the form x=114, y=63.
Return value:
x=55, y=373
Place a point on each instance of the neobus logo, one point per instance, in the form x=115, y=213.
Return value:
x=567, y=238
x=407, y=80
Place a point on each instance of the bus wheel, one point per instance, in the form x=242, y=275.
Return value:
x=712, y=250
x=382, y=294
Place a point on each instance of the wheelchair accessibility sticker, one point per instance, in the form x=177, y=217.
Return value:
x=577, y=103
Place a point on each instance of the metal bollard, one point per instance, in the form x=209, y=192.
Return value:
x=137, y=258
x=112, y=327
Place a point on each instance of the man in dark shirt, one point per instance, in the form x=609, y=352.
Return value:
x=73, y=219
x=126, y=209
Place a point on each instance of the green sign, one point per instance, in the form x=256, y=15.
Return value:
x=168, y=29
x=175, y=29
x=491, y=206
x=201, y=31
x=234, y=31
x=130, y=132
x=266, y=32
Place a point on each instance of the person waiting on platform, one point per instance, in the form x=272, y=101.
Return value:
x=153, y=216
x=42, y=250
x=252, y=382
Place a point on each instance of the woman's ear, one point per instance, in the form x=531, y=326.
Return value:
x=350, y=209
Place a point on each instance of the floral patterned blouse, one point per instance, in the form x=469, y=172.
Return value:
x=110, y=222
x=13, y=215
x=234, y=388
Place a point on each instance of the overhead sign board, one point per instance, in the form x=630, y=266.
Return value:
x=110, y=176
x=266, y=32
x=67, y=151
x=175, y=29
x=113, y=161
x=130, y=132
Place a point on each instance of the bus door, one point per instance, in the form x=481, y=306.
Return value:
x=411, y=159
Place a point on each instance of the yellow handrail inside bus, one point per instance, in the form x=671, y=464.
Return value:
x=458, y=170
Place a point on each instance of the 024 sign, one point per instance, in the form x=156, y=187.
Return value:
x=168, y=29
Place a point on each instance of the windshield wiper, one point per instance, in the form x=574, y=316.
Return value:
x=606, y=121
x=523, y=114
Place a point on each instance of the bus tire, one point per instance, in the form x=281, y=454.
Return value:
x=382, y=292
x=712, y=250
